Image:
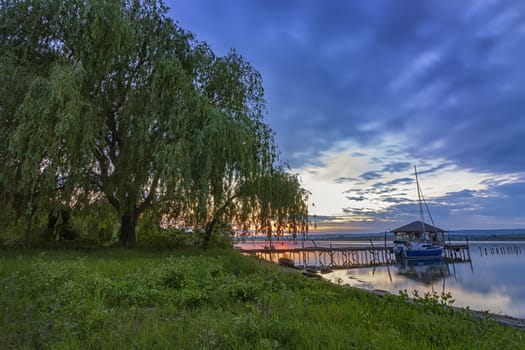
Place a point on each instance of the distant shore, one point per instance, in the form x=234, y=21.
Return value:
x=460, y=235
x=471, y=235
x=455, y=237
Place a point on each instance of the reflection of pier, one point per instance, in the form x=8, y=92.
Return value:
x=500, y=250
x=346, y=257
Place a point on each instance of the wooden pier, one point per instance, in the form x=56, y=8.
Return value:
x=346, y=257
x=456, y=252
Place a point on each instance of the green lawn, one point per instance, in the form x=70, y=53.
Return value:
x=213, y=299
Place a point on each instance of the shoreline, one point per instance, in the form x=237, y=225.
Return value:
x=506, y=320
x=516, y=320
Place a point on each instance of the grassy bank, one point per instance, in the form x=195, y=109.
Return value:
x=215, y=299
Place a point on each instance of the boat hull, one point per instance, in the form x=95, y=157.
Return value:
x=424, y=253
x=409, y=251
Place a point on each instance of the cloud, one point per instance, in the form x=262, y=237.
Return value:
x=397, y=167
x=370, y=175
x=357, y=198
x=403, y=180
x=492, y=207
x=397, y=200
x=341, y=180
x=358, y=91
x=447, y=77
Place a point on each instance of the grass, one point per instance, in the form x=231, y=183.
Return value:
x=213, y=299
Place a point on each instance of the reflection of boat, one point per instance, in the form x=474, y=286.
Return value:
x=424, y=270
x=418, y=239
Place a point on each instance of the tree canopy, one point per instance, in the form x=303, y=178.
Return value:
x=114, y=101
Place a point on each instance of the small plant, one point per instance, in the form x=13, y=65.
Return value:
x=434, y=298
x=243, y=290
x=428, y=298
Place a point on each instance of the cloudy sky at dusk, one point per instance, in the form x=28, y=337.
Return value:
x=360, y=91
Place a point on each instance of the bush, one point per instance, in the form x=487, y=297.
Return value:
x=158, y=238
x=99, y=224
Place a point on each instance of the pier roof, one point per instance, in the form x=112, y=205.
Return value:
x=417, y=226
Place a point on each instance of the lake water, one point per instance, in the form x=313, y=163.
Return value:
x=494, y=281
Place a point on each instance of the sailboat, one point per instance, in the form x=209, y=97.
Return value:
x=418, y=240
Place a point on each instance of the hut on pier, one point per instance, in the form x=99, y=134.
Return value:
x=418, y=230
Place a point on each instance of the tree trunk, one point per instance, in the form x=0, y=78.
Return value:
x=128, y=223
x=208, y=233
x=216, y=218
x=28, y=229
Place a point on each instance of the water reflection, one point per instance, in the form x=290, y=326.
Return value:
x=427, y=271
x=492, y=281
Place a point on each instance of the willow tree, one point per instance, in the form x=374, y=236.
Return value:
x=233, y=147
x=113, y=101
x=26, y=180
x=275, y=203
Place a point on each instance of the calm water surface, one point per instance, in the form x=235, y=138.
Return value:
x=494, y=281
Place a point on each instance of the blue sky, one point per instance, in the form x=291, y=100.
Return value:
x=360, y=91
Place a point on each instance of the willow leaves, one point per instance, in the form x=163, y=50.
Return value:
x=113, y=101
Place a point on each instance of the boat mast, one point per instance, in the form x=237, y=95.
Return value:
x=419, y=196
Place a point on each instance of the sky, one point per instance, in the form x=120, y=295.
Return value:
x=358, y=92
